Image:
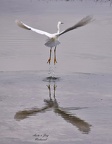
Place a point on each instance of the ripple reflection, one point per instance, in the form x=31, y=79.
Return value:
x=52, y=104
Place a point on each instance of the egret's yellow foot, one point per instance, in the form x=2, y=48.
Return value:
x=55, y=61
x=49, y=60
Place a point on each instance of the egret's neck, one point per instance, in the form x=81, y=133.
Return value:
x=58, y=27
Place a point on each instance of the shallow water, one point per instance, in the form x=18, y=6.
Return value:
x=70, y=102
x=73, y=108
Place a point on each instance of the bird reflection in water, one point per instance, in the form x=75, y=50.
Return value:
x=52, y=104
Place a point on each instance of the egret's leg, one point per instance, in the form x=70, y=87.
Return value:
x=55, y=61
x=49, y=60
x=54, y=90
x=49, y=88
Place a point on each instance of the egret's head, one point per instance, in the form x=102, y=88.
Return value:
x=60, y=22
x=58, y=26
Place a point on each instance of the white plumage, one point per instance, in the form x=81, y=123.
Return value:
x=52, y=40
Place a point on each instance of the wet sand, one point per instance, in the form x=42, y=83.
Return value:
x=72, y=107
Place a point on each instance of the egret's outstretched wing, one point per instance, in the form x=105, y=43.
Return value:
x=82, y=22
x=22, y=25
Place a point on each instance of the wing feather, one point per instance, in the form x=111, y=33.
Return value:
x=81, y=23
x=23, y=25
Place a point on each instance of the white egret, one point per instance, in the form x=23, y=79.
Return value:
x=53, y=39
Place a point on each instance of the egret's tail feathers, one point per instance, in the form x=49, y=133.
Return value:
x=52, y=42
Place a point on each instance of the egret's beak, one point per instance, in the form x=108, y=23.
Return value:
x=62, y=23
